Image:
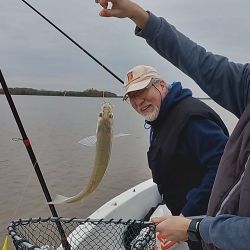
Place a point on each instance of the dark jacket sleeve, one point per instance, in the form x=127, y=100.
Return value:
x=224, y=81
x=208, y=155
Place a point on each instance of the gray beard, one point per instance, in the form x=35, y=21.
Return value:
x=151, y=116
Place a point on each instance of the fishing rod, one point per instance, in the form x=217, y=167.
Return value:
x=73, y=41
x=32, y=156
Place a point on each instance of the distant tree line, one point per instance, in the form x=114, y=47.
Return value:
x=87, y=93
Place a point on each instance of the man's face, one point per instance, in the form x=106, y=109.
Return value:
x=147, y=101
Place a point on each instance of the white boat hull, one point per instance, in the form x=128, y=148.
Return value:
x=133, y=204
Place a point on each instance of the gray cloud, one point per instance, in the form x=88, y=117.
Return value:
x=34, y=54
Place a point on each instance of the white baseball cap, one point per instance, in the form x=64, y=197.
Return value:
x=139, y=77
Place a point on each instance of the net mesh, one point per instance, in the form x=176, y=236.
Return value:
x=62, y=233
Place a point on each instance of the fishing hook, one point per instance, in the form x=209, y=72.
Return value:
x=17, y=139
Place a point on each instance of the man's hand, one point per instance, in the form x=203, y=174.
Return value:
x=119, y=8
x=174, y=228
x=122, y=9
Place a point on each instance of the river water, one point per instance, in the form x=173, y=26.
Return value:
x=54, y=126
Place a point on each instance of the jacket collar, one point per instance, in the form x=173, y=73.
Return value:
x=175, y=94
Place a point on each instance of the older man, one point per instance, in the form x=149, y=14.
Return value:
x=182, y=165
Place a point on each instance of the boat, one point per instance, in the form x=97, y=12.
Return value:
x=133, y=204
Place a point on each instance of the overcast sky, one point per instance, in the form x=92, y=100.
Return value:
x=34, y=54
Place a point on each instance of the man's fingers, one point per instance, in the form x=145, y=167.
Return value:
x=157, y=220
x=103, y=3
x=103, y=13
x=110, y=13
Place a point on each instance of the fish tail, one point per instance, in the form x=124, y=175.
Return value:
x=60, y=199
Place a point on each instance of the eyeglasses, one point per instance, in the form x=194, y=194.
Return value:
x=138, y=93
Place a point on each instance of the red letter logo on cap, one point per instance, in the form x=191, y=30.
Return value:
x=130, y=76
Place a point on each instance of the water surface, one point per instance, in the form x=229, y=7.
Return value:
x=54, y=125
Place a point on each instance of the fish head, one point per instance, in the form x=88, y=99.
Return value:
x=106, y=111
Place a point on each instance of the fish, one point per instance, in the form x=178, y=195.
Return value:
x=104, y=137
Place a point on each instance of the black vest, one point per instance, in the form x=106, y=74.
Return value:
x=176, y=173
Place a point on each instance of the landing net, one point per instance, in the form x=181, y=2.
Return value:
x=87, y=234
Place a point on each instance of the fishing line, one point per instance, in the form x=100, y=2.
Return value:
x=73, y=41
x=19, y=202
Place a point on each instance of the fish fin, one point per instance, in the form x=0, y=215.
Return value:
x=120, y=135
x=59, y=199
x=88, y=141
